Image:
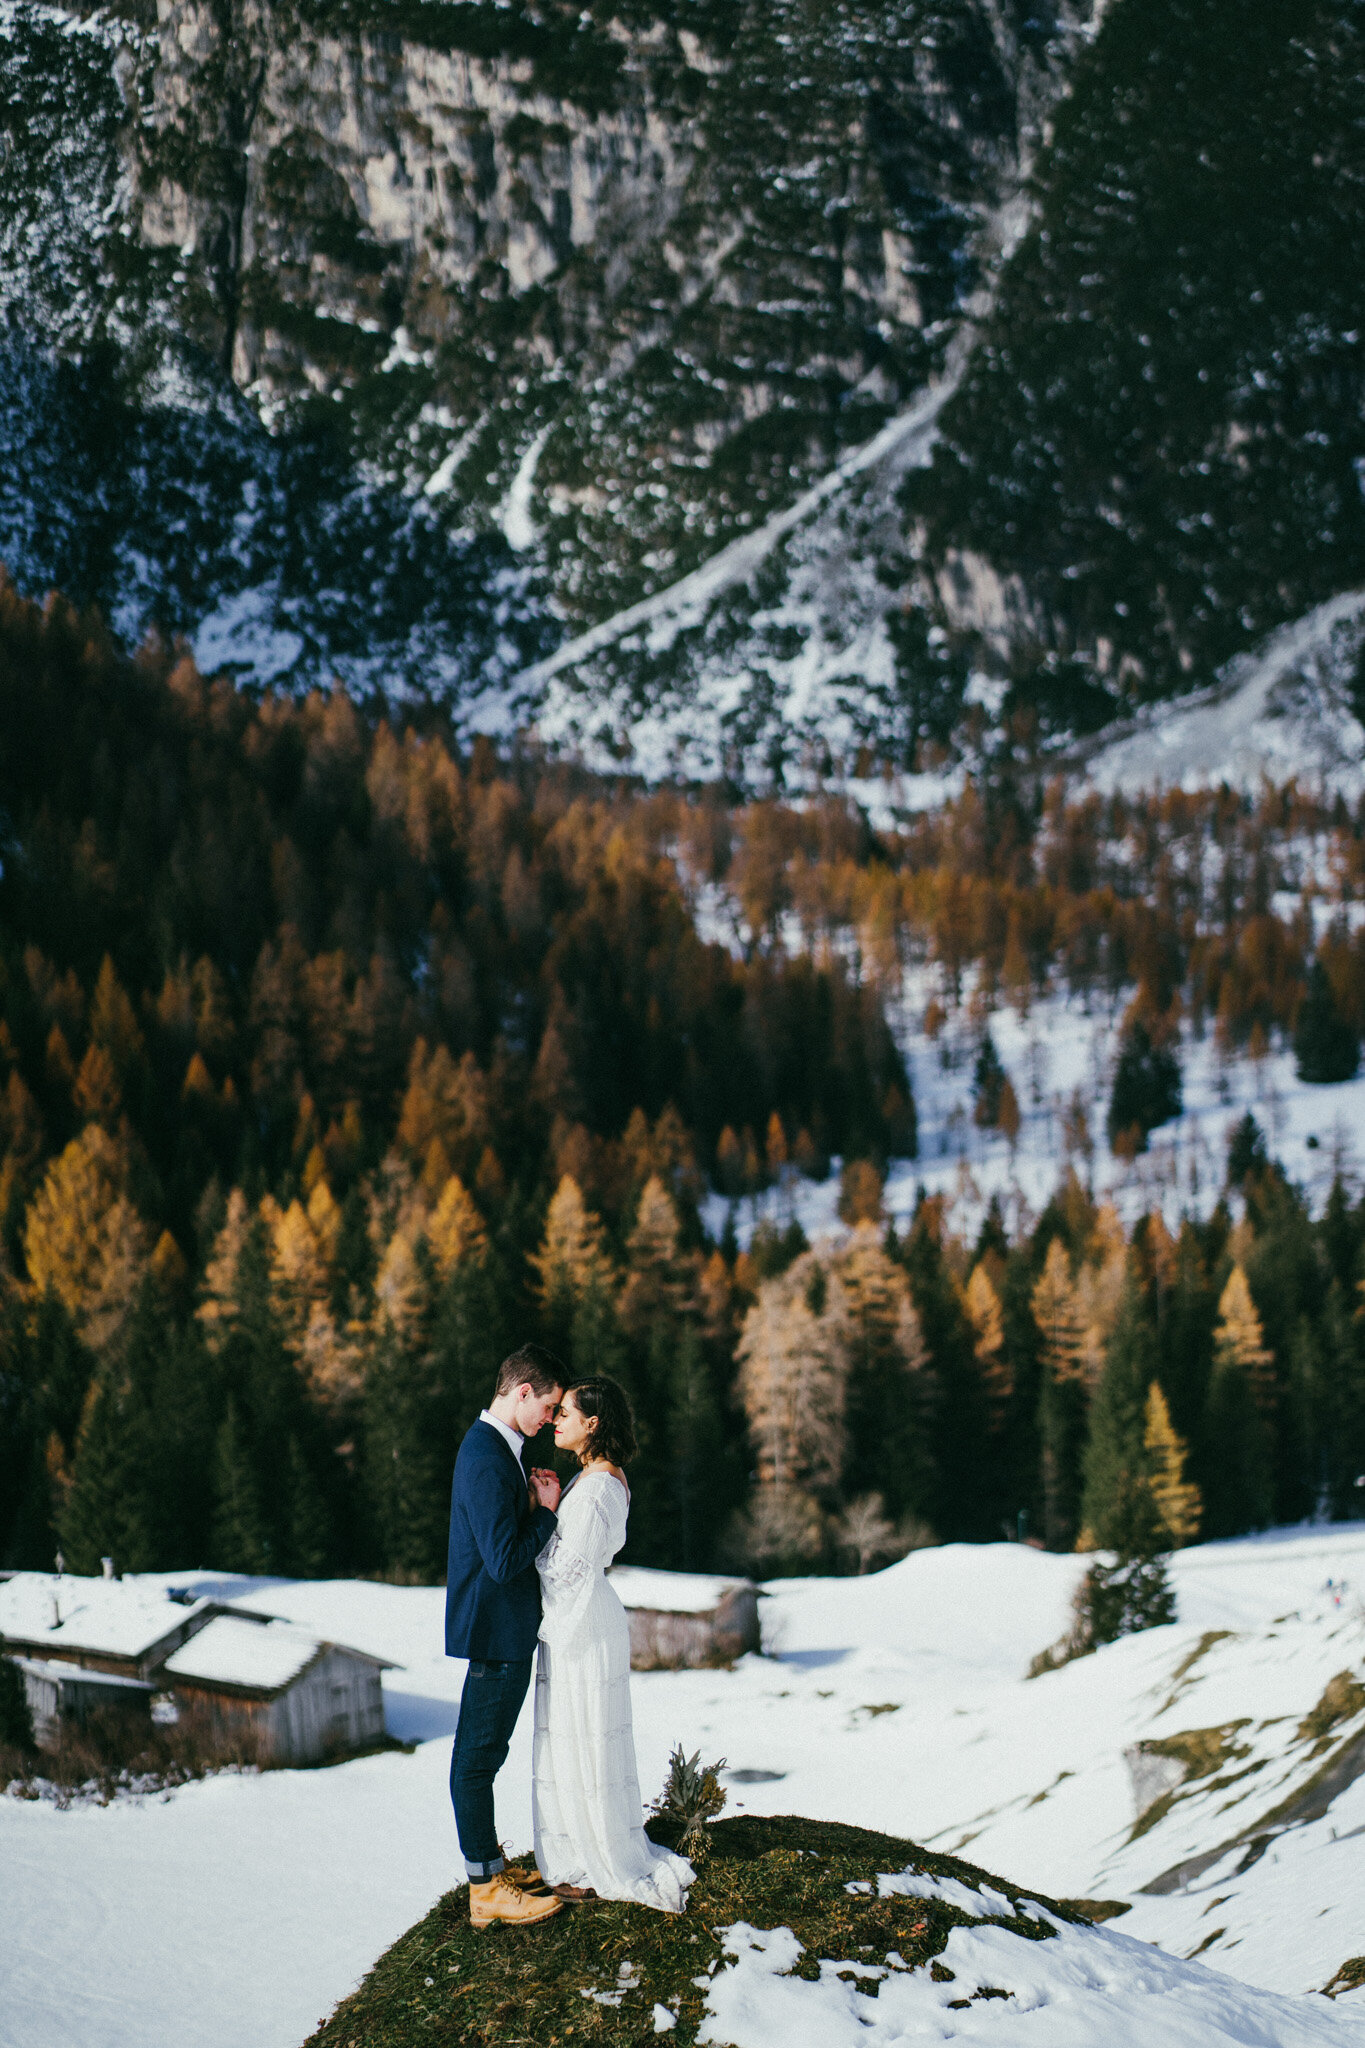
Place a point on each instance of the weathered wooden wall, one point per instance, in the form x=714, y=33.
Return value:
x=72, y=1695
x=661, y=1641
x=336, y=1705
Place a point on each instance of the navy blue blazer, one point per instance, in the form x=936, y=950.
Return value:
x=492, y=1588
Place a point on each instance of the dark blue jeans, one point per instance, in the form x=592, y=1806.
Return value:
x=489, y=1706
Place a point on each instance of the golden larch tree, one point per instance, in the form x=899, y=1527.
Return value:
x=1238, y=1342
x=84, y=1239
x=659, y=1281
x=984, y=1313
x=217, y=1310
x=455, y=1231
x=792, y=1379
x=879, y=1313
x=571, y=1258
x=1057, y=1312
x=1180, y=1502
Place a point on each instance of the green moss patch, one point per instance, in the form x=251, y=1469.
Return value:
x=1349, y=1977
x=533, y=1987
x=1180, y=1677
x=1202, y=1752
x=1342, y=1699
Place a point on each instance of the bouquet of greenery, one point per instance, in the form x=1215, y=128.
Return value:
x=692, y=1796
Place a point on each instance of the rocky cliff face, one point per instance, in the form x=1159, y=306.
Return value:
x=617, y=284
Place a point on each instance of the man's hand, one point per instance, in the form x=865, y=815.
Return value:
x=544, y=1489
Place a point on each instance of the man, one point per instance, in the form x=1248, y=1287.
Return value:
x=499, y=1524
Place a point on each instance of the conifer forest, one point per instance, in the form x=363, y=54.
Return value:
x=339, y=1057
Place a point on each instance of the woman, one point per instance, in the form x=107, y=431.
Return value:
x=589, y=1824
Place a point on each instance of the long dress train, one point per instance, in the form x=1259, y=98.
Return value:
x=589, y=1823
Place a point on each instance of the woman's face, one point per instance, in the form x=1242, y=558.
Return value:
x=573, y=1431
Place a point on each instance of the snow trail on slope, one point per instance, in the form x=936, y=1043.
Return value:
x=682, y=604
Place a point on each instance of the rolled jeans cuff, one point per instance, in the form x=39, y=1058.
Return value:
x=479, y=1873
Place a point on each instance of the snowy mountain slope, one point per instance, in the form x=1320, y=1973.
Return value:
x=1284, y=712
x=896, y=1702
x=774, y=653
x=1060, y=1052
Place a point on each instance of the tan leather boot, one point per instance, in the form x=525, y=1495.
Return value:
x=502, y=1898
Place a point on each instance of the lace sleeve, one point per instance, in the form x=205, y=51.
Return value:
x=573, y=1561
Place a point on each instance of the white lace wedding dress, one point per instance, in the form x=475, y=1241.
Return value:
x=585, y=1801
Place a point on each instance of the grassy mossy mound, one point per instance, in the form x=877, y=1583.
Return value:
x=531, y=1988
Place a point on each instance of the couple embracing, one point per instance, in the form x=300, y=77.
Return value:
x=526, y=1579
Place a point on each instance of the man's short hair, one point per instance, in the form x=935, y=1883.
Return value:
x=534, y=1367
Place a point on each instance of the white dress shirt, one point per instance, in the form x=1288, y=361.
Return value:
x=513, y=1438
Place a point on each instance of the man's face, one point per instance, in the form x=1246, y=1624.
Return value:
x=534, y=1410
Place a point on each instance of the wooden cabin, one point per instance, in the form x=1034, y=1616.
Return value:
x=686, y=1620
x=254, y=1687
x=62, y=1692
x=274, y=1694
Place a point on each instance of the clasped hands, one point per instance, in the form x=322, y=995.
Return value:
x=544, y=1489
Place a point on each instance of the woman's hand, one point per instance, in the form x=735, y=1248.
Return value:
x=544, y=1489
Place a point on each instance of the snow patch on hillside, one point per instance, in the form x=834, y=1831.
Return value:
x=1059, y=1055
x=1282, y=713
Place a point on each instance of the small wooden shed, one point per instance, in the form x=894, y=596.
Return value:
x=686, y=1620
x=59, y=1691
x=275, y=1694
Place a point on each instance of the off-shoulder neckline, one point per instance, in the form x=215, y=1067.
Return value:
x=579, y=1477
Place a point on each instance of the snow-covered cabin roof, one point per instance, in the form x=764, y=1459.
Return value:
x=672, y=1592
x=60, y=1672
x=69, y=1616
x=253, y=1656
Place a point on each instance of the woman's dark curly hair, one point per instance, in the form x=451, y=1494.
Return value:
x=602, y=1403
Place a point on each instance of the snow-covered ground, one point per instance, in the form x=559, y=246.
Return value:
x=240, y=1909
x=1063, y=1050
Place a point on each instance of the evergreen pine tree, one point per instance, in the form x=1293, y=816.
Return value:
x=888, y=1379
x=239, y=1532
x=1326, y=1044
x=960, y=1475
x=62, y=1367
x=1147, y=1089
x=108, y=1511
x=27, y=1538
x=988, y=1085
x=310, y=1527
x=1130, y=1591
x=1062, y=1400
x=701, y=1459
x=471, y=1332
x=1341, y=1232
x=1246, y=1149
x=407, y=1475
x=252, y=1490
x=1115, y=1456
